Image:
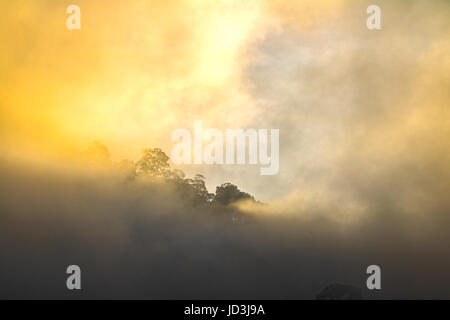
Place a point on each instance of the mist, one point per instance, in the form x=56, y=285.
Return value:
x=364, y=151
x=140, y=239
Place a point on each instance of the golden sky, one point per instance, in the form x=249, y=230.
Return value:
x=134, y=72
x=342, y=96
x=364, y=124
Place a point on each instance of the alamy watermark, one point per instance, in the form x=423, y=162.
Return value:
x=207, y=146
x=73, y=22
x=74, y=280
x=374, y=280
x=373, y=22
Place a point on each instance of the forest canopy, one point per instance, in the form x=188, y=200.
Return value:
x=154, y=165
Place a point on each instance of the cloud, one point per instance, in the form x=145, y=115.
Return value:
x=363, y=118
x=141, y=240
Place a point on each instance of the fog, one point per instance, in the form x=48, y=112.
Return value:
x=139, y=239
x=364, y=150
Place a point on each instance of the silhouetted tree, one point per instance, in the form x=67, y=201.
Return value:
x=199, y=185
x=154, y=162
x=228, y=193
